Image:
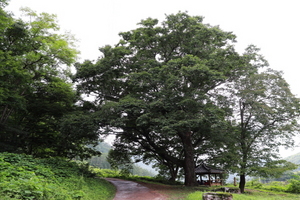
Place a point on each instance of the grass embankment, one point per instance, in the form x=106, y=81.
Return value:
x=25, y=177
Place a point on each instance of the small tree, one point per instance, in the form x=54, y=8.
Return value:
x=265, y=115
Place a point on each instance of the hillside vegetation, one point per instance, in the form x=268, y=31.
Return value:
x=25, y=177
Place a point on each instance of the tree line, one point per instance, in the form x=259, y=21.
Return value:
x=175, y=93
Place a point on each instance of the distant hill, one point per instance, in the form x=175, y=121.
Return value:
x=147, y=167
x=101, y=162
x=103, y=147
x=294, y=158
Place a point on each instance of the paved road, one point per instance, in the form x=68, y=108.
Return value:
x=129, y=190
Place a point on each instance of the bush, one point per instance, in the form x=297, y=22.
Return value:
x=293, y=186
x=276, y=186
x=255, y=183
x=106, y=173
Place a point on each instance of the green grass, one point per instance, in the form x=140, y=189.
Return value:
x=28, y=178
x=96, y=189
x=252, y=196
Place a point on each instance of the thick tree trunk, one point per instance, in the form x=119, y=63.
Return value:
x=242, y=183
x=189, y=169
x=189, y=163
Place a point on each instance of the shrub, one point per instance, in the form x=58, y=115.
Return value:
x=106, y=173
x=276, y=186
x=293, y=186
x=255, y=183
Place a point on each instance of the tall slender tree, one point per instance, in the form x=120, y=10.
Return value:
x=265, y=115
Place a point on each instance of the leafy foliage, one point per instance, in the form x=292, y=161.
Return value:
x=294, y=185
x=38, y=104
x=23, y=177
x=154, y=89
x=120, y=161
x=265, y=114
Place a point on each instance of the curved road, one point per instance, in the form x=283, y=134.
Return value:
x=129, y=190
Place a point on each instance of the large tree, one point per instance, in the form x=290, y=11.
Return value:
x=153, y=88
x=265, y=115
x=31, y=52
x=38, y=105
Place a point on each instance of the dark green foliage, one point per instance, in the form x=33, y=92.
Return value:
x=156, y=86
x=265, y=114
x=294, y=185
x=40, y=113
x=121, y=161
x=23, y=177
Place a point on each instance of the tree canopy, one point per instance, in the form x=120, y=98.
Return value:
x=265, y=115
x=37, y=99
x=156, y=88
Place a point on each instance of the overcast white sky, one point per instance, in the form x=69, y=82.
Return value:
x=272, y=25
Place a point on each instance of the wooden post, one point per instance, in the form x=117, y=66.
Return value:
x=234, y=181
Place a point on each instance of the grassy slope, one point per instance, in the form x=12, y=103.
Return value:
x=24, y=177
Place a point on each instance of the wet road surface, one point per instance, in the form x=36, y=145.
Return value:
x=129, y=190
